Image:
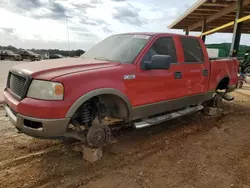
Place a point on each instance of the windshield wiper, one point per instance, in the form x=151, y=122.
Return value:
x=101, y=58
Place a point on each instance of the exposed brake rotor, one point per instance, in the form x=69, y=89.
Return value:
x=217, y=101
x=98, y=135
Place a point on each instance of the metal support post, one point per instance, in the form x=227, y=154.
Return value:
x=237, y=30
x=204, y=30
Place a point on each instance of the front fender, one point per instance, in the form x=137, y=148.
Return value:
x=97, y=92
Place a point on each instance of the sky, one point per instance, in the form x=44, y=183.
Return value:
x=52, y=23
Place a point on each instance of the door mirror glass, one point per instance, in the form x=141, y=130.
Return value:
x=159, y=62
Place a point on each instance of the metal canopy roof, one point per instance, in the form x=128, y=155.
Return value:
x=216, y=13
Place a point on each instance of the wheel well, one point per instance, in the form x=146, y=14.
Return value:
x=107, y=105
x=113, y=106
x=223, y=84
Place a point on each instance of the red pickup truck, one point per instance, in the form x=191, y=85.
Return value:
x=139, y=78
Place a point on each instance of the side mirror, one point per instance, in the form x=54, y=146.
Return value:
x=159, y=62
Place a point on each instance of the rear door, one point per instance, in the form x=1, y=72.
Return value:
x=195, y=67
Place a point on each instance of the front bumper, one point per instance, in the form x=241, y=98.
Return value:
x=48, y=128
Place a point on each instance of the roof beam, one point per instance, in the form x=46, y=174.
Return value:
x=185, y=14
x=215, y=4
x=199, y=14
x=223, y=19
x=207, y=9
x=218, y=28
x=219, y=14
x=226, y=25
x=192, y=17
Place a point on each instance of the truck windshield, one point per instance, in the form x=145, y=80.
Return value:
x=119, y=48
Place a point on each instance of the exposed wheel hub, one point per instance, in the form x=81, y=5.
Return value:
x=217, y=101
x=98, y=135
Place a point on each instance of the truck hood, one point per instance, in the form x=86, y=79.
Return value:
x=49, y=69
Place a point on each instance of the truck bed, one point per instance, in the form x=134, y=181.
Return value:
x=220, y=58
x=223, y=68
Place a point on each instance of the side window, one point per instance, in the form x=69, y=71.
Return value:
x=192, y=50
x=162, y=46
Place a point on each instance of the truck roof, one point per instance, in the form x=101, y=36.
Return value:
x=156, y=33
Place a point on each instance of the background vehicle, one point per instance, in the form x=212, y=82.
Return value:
x=55, y=56
x=27, y=54
x=7, y=54
x=245, y=64
x=137, y=78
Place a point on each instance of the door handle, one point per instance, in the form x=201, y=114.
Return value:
x=177, y=75
x=205, y=72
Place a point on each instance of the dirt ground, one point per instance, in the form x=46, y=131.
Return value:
x=193, y=151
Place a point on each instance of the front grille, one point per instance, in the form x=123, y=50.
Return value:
x=18, y=84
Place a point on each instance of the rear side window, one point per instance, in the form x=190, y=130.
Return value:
x=192, y=50
x=162, y=46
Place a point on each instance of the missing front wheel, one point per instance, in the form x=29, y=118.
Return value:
x=98, y=135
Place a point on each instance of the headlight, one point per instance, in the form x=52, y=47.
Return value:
x=46, y=90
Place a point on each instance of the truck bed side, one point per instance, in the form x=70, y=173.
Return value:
x=223, y=68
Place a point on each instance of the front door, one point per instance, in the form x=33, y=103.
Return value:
x=159, y=86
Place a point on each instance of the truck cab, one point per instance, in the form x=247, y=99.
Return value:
x=139, y=78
